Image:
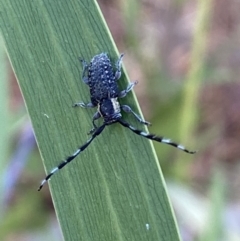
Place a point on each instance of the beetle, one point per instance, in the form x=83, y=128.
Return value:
x=101, y=78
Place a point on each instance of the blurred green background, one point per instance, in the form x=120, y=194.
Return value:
x=186, y=57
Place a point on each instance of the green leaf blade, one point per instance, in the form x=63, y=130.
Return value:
x=114, y=190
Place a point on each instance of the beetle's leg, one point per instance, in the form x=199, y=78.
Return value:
x=123, y=93
x=118, y=66
x=83, y=105
x=128, y=109
x=85, y=68
x=96, y=116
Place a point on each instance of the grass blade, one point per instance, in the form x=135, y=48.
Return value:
x=114, y=190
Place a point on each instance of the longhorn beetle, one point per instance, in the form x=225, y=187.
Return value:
x=102, y=81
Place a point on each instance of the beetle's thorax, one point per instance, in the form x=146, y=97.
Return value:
x=110, y=110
